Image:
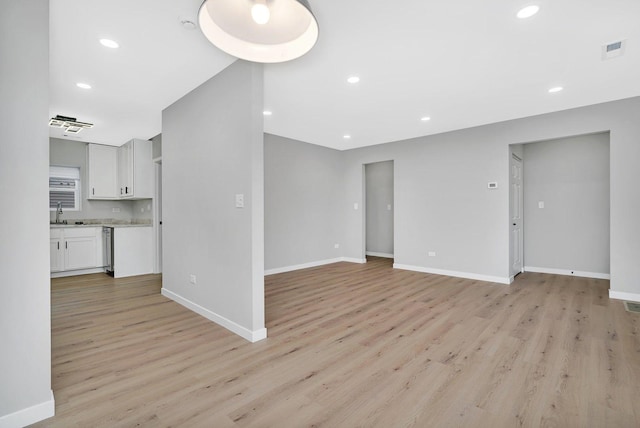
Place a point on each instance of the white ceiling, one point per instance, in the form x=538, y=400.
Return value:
x=461, y=62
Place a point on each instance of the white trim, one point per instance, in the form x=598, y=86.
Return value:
x=250, y=335
x=313, y=264
x=157, y=259
x=623, y=295
x=64, y=273
x=30, y=415
x=302, y=266
x=375, y=254
x=568, y=272
x=353, y=260
x=467, y=275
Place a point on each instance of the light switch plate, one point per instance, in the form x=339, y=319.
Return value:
x=541, y=204
x=355, y=206
x=239, y=200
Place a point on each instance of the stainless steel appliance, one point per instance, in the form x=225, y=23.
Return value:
x=108, y=249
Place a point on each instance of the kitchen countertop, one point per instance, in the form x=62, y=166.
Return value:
x=103, y=224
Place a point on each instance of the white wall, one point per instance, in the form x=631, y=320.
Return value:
x=25, y=326
x=302, y=183
x=443, y=205
x=212, y=149
x=379, y=198
x=571, y=177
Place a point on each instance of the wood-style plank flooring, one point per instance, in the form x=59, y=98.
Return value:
x=349, y=346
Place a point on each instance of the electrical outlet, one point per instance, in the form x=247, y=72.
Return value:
x=239, y=200
x=432, y=253
x=336, y=246
x=115, y=210
x=192, y=279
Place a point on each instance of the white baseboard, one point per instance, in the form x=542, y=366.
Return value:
x=375, y=254
x=313, y=264
x=467, y=275
x=30, y=415
x=250, y=335
x=623, y=295
x=353, y=260
x=76, y=272
x=568, y=272
x=302, y=266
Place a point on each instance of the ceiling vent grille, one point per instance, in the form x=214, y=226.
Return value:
x=613, y=49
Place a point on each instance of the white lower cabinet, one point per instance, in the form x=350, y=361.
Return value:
x=76, y=248
x=57, y=256
x=132, y=251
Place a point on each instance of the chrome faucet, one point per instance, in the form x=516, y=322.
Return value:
x=58, y=212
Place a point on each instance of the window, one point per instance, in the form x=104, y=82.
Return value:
x=64, y=188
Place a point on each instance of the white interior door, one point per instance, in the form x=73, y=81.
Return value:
x=515, y=214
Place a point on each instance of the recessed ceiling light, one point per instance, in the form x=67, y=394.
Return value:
x=353, y=79
x=528, y=12
x=347, y=137
x=83, y=85
x=555, y=89
x=267, y=113
x=425, y=118
x=109, y=43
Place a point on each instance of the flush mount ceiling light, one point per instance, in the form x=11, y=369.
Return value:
x=70, y=124
x=83, y=85
x=265, y=31
x=425, y=118
x=528, y=12
x=555, y=89
x=353, y=79
x=267, y=113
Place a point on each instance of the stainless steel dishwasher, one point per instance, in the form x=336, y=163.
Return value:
x=108, y=250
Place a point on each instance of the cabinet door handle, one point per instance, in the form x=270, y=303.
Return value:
x=93, y=190
x=126, y=190
x=58, y=245
x=66, y=245
x=121, y=190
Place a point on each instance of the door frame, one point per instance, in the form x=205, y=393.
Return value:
x=157, y=207
x=364, y=209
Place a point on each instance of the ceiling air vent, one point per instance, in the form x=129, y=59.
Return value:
x=613, y=49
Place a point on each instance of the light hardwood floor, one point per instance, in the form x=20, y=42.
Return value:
x=349, y=346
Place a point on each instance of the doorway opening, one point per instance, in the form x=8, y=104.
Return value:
x=379, y=207
x=559, y=201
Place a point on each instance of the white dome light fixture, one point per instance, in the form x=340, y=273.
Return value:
x=265, y=31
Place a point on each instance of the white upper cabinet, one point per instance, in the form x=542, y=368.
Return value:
x=135, y=170
x=124, y=172
x=102, y=162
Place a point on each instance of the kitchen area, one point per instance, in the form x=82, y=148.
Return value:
x=104, y=203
